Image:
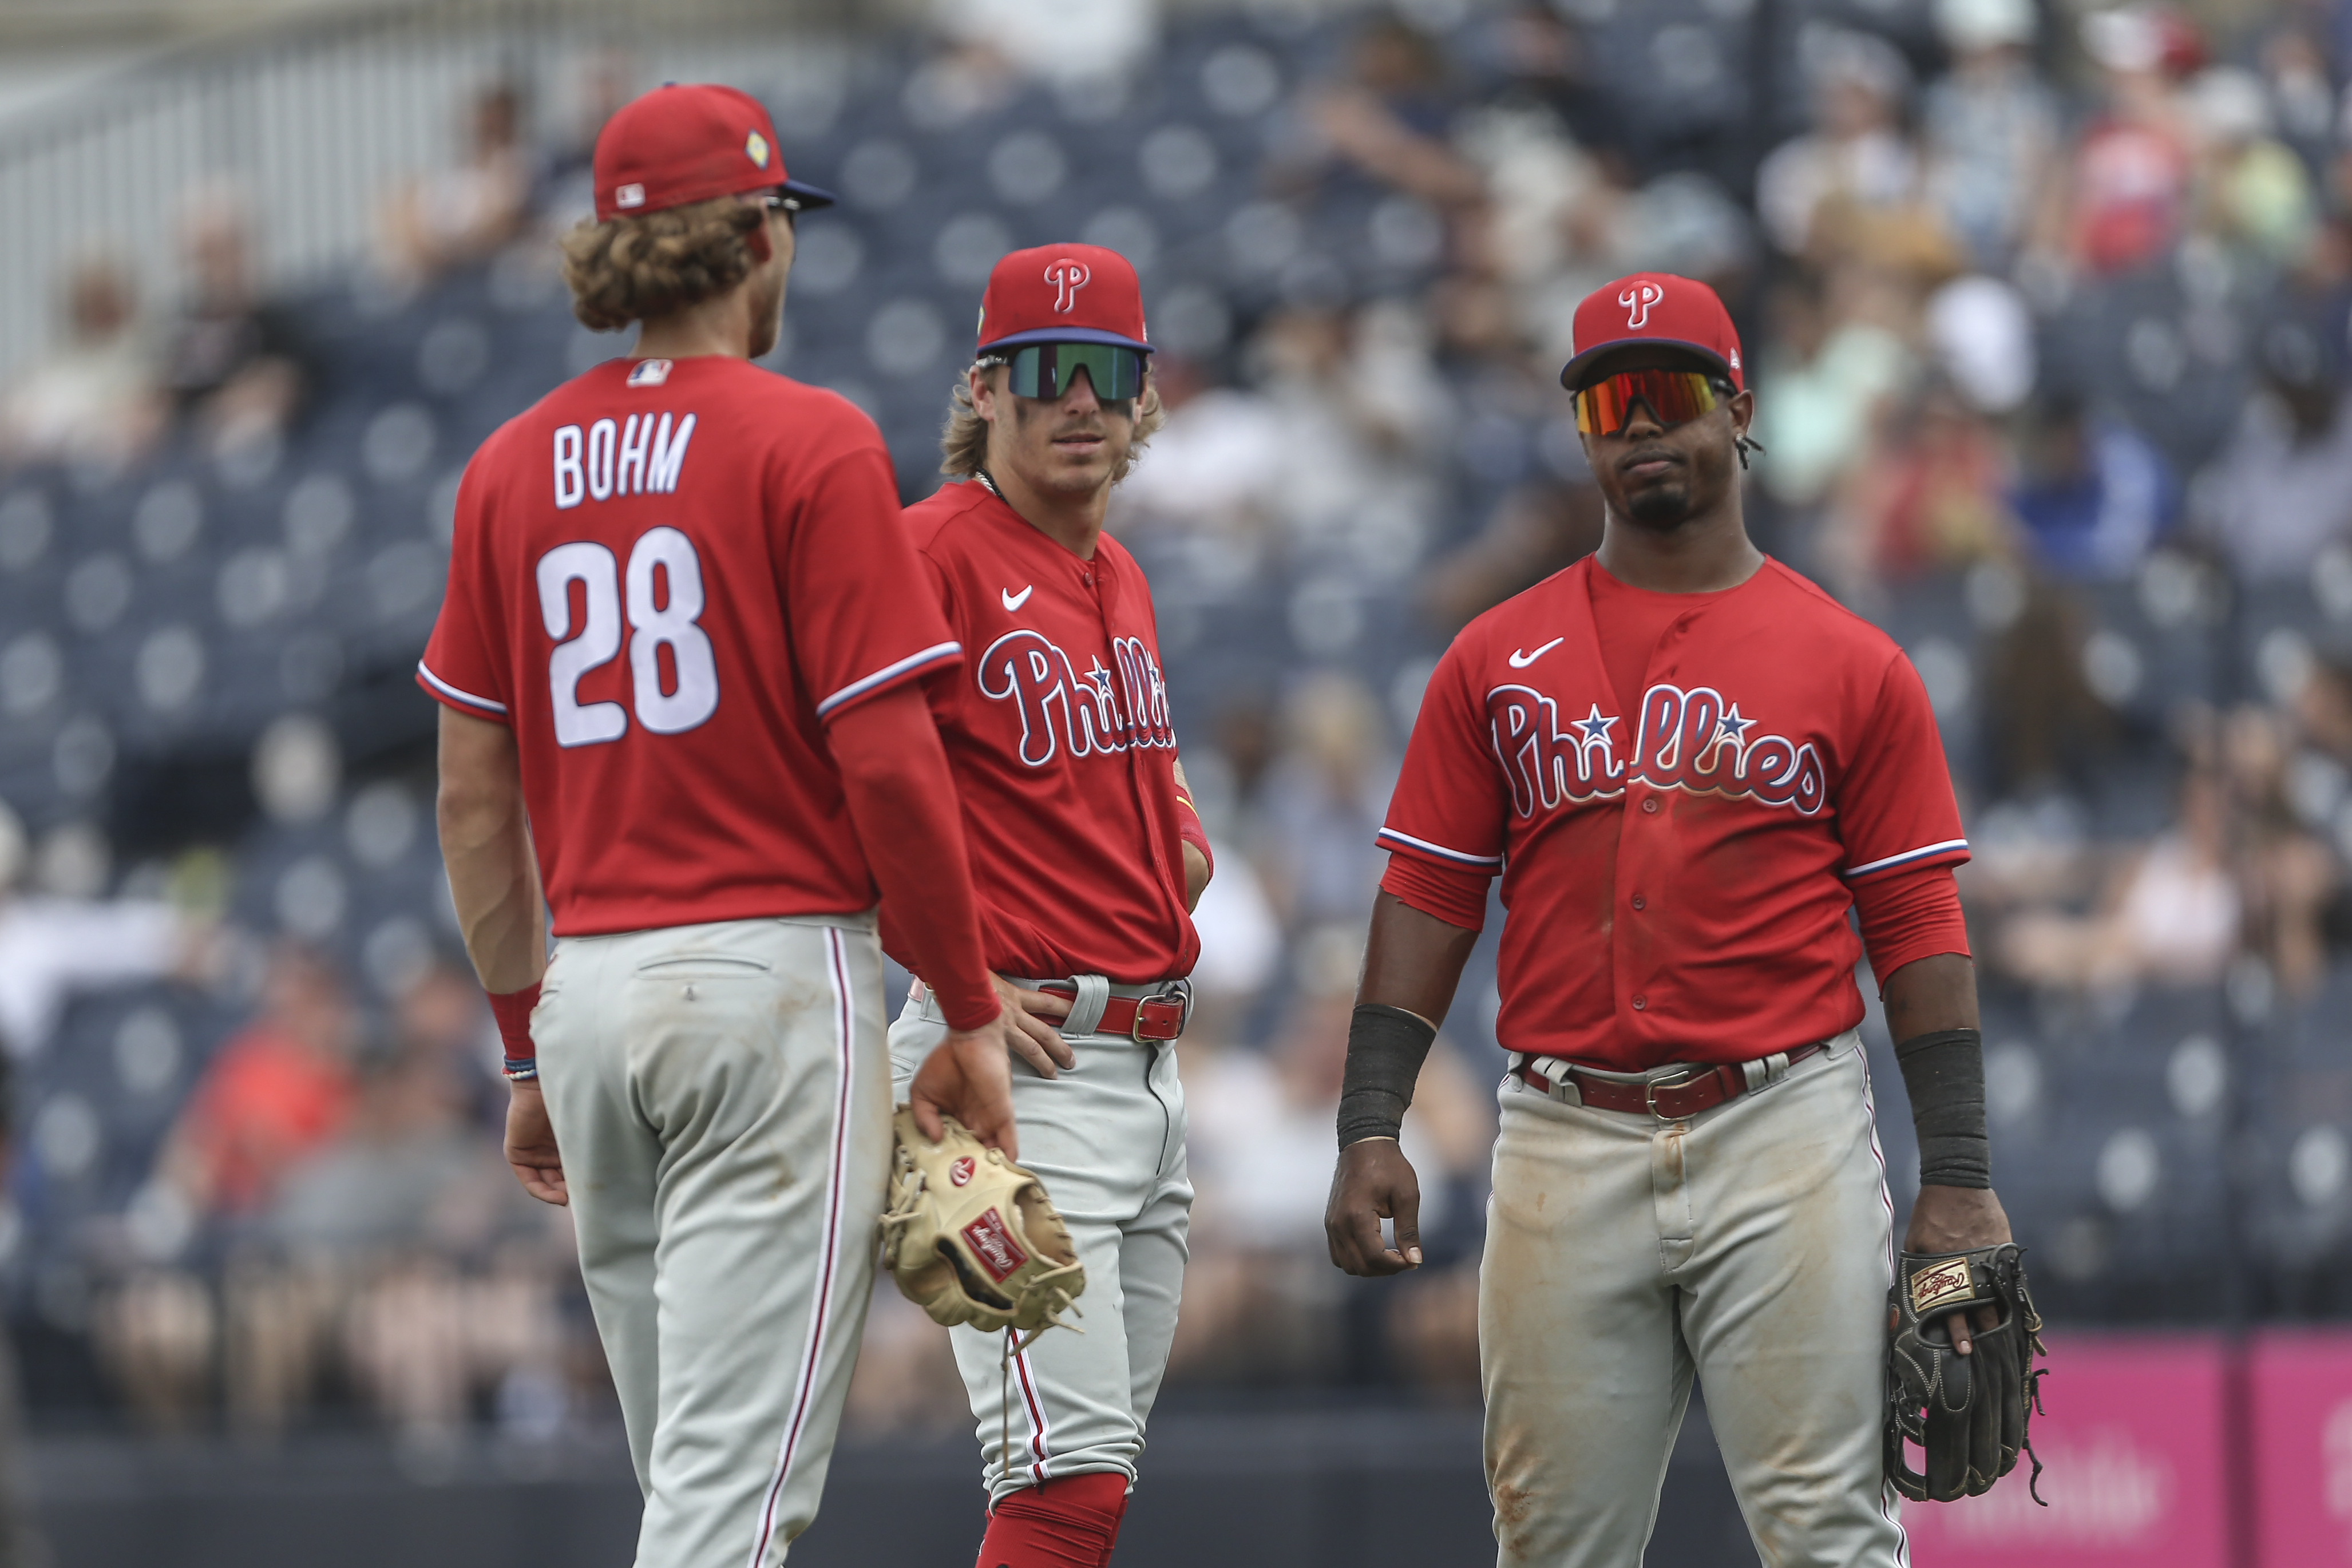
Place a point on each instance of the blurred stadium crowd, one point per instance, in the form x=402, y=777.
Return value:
x=2047, y=312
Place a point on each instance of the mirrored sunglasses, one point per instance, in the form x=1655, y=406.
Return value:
x=1047, y=370
x=1673, y=396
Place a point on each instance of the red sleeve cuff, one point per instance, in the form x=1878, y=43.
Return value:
x=1456, y=896
x=450, y=695
x=1910, y=914
x=1189, y=829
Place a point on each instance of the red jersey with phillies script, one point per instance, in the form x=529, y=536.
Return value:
x=663, y=576
x=1677, y=877
x=1058, y=734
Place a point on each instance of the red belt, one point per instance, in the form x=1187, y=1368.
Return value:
x=1157, y=1019
x=1670, y=1099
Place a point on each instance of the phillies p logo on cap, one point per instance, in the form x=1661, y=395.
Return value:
x=1063, y=294
x=1067, y=277
x=1653, y=308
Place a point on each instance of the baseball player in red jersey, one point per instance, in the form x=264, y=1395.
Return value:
x=1088, y=858
x=1688, y=764
x=683, y=688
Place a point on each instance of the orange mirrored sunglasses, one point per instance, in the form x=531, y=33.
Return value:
x=1673, y=396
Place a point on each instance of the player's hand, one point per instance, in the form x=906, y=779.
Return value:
x=531, y=1145
x=1374, y=1182
x=1033, y=1014
x=969, y=1076
x=1958, y=1219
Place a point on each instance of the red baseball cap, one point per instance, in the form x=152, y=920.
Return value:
x=1653, y=308
x=689, y=142
x=1063, y=294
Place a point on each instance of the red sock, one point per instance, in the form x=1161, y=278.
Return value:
x=1071, y=1521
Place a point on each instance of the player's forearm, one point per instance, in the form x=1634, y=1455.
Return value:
x=1196, y=877
x=1931, y=1011
x=486, y=846
x=1200, y=860
x=1413, y=963
x=1414, y=960
x=902, y=801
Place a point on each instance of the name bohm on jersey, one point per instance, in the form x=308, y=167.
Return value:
x=612, y=459
x=1689, y=740
x=1106, y=711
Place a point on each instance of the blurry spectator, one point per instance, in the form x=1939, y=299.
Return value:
x=2122, y=203
x=2254, y=192
x=276, y=1093
x=413, y=1164
x=455, y=216
x=2287, y=877
x=94, y=399
x=2281, y=491
x=566, y=192
x=1545, y=63
x=1983, y=335
x=1928, y=500
x=1990, y=126
x=53, y=945
x=1324, y=802
x=1058, y=40
x=1820, y=384
x=2044, y=729
x=1259, y=1294
x=236, y=365
x=1336, y=446
x=2170, y=916
x=2091, y=493
x=1539, y=528
x=1387, y=116
x=1856, y=155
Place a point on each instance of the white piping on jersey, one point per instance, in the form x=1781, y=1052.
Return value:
x=1424, y=845
x=844, y=1025
x=468, y=697
x=888, y=673
x=1905, y=858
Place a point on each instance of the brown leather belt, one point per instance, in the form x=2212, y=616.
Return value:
x=1669, y=1099
x=1142, y=1019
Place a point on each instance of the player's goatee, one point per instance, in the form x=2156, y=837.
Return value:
x=1660, y=506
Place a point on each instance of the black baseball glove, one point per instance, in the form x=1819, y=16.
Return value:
x=1968, y=1412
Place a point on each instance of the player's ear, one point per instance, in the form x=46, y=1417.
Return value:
x=763, y=250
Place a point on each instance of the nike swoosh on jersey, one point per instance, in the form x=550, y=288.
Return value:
x=1014, y=601
x=1521, y=660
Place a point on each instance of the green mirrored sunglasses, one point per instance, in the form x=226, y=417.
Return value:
x=1047, y=370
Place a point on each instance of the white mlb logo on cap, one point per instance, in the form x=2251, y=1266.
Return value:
x=629, y=196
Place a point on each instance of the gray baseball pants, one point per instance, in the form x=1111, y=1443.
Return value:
x=1107, y=1137
x=1749, y=1246
x=722, y=1097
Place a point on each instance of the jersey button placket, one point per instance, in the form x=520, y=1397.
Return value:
x=1640, y=902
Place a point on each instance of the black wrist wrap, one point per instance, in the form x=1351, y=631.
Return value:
x=1386, y=1046
x=1943, y=1072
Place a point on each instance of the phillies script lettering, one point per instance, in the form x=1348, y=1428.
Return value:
x=1689, y=740
x=1109, y=711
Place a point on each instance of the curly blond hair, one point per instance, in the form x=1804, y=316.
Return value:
x=964, y=442
x=647, y=265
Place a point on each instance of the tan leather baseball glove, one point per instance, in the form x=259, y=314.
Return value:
x=971, y=1237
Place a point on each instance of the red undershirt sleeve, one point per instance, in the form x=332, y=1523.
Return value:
x=1189, y=829
x=903, y=801
x=1909, y=914
x=1455, y=895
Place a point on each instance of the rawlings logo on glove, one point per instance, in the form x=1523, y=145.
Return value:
x=971, y=1237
